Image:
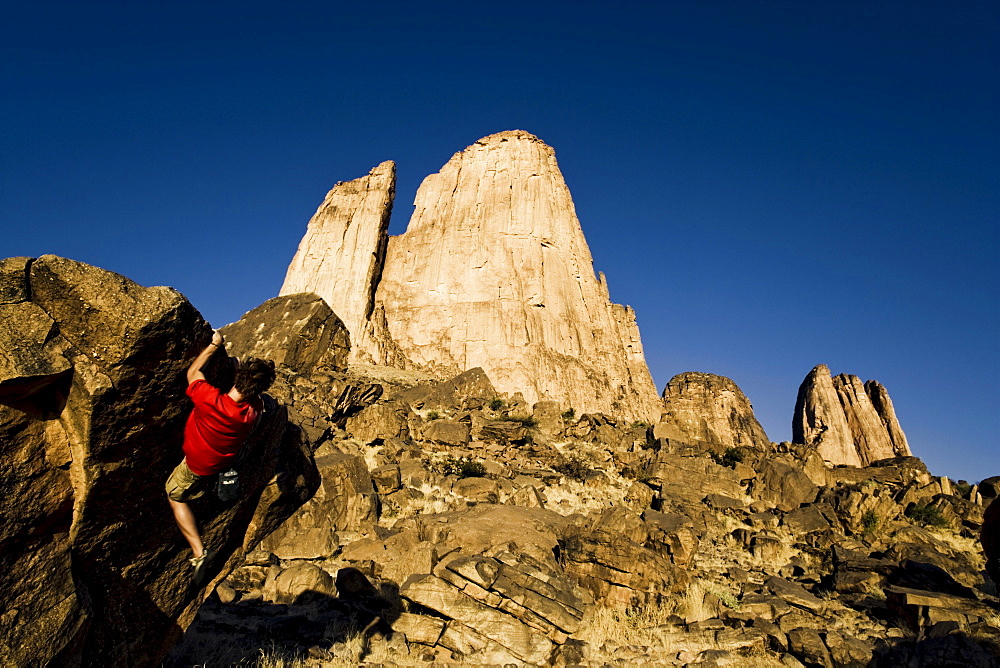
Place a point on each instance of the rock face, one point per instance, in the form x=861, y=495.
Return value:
x=703, y=407
x=850, y=423
x=343, y=252
x=298, y=331
x=493, y=272
x=92, y=568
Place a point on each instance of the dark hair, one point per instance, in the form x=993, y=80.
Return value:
x=254, y=376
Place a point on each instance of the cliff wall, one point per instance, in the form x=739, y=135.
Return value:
x=493, y=271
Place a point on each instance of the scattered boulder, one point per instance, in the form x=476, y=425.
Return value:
x=345, y=501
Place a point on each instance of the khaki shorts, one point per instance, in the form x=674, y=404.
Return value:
x=183, y=485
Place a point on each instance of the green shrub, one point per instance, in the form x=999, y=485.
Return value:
x=463, y=467
x=526, y=420
x=962, y=489
x=496, y=404
x=869, y=523
x=433, y=415
x=730, y=458
x=575, y=468
x=569, y=414
x=927, y=515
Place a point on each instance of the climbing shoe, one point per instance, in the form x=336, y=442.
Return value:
x=201, y=565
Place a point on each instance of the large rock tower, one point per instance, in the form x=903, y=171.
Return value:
x=493, y=271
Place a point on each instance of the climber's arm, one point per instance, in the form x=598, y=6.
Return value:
x=194, y=371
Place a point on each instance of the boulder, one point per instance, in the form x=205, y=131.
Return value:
x=617, y=569
x=990, y=487
x=381, y=421
x=503, y=431
x=548, y=416
x=478, y=529
x=807, y=644
x=447, y=432
x=693, y=478
x=396, y=557
x=457, y=392
x=299, y=582
x=703, y=407
x=92, y=427
x=520, y=640
x=989, y=536
x=782, y=486
x=345, y=501
x=298, y=331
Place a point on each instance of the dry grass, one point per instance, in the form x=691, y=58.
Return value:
x=356, y=651
x=699, y=602
x=628, y=626
x=647, y=629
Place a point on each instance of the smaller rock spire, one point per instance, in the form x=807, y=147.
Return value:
x=849, y=422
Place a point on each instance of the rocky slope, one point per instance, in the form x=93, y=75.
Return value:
x=93, y=570
x=492, y=272
x=848, y=421
x=461, y=524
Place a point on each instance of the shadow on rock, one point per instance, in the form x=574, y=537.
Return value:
x=314, y=623
x=943, y=647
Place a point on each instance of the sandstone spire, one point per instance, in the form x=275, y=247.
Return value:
x=883, y=406
x=819, y=419
x=493, y=272
x=340, y=257
x=850, y=422
x=708, y=408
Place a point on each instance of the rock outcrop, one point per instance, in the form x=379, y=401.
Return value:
x=93, y=570
x=703, y=407
x=342, y=253
x=849, y=422
x=493, y=271
x=297, y=331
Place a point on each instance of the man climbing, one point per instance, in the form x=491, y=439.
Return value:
x=216, y=430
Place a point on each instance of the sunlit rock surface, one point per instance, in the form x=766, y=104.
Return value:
x=849, y=422
x=493, y=272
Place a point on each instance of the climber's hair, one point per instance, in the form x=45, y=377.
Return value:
x=254, y=376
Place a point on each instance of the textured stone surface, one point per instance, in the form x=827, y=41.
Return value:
x=493, y=271
x=83, y=578
x=782, y=486
x=297, y=581
x=849, y=422
x=520, y=639
x=709, y=408
x=345, y=500
x=298, y=331
x=883, y=406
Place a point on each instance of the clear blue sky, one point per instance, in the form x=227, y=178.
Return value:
x=771, y=185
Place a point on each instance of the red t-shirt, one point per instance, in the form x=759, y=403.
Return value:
x=216, y=428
